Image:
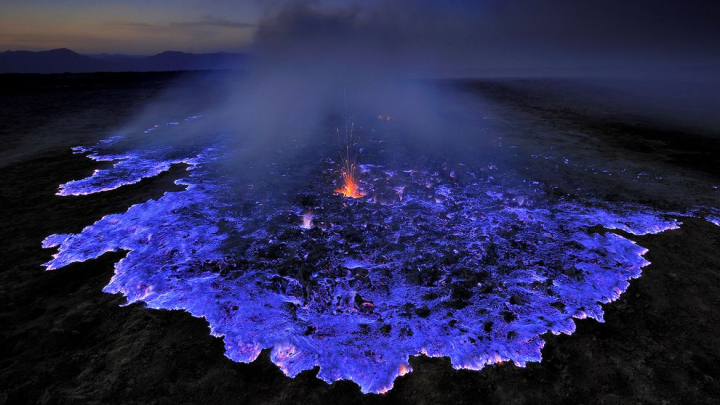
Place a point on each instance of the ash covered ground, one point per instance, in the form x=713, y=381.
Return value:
x=477, y=251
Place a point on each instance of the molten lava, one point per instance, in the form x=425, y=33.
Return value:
x=348, y=156
x=350, y=185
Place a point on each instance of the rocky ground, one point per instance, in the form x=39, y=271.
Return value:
x=65, y=341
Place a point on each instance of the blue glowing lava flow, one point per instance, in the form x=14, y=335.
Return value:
x=441, y=262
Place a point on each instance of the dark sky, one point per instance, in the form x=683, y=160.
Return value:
x=461, y=34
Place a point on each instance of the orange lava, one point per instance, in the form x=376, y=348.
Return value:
x=348, y=157
x=350, y=187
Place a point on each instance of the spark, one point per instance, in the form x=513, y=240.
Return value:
x=348, y=158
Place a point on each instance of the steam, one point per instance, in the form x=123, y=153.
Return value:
x=315, y=67
x=313, y=72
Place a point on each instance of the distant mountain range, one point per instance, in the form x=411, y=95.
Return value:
x=67, y=61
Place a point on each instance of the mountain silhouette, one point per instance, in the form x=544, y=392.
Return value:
x=67, y=61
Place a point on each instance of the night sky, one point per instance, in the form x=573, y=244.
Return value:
x=464, y=34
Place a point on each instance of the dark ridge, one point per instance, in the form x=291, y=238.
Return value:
x=66, y=61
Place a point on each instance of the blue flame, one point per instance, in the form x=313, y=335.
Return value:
x=436, y=267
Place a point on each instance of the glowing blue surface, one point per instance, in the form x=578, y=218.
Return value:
x=424, y=264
